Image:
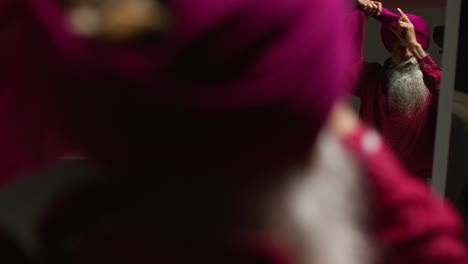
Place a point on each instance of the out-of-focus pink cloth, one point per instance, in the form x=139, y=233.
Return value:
x=356, y=22
x=411, y=224
x=30, y=129
x=235, y=83
x=390, y=20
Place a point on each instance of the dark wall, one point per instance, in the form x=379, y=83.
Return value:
x=461, y=82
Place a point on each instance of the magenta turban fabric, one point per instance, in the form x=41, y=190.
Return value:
x=389, y=20
x=234, y=82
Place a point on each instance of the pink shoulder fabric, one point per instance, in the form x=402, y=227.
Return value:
x=390, y=20
x=30, y=134
x=412, y=224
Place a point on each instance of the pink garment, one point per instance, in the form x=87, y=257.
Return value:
x=356, y=22
x=246, y=81
x=411, y=139
x=30, y=133
x=411, y=224
x=390, y=20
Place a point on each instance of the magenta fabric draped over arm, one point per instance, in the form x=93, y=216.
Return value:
x=356, y=20
x=356, y=23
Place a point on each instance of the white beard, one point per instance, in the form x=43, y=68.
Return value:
x=407, y=92
x=326, y=208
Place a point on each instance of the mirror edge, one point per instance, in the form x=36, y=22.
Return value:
x=444, y=117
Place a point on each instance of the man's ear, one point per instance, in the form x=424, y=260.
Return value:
x=118, y=20
x=133, y=18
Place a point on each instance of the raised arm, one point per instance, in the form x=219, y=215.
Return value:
x=431, y=71
x=357, y=24
x=431, y=75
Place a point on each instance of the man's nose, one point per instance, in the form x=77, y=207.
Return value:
x=408, y=53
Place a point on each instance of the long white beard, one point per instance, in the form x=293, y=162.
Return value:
x=326, y=208
x=407, y=92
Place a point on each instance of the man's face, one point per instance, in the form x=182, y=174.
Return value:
x=401, y=53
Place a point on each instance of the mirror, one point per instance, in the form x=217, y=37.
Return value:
x=399, y=88
x=374, y=52
x=450, y=166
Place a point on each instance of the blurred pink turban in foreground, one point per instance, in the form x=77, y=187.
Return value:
x=390, y=20
x=234, y=83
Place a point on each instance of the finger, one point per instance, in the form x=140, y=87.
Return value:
x=405, y=25
x=379, y=4
x=372, y=10
x=403, y=15
x=364, y=7
x=403, y=19
x=376, y=8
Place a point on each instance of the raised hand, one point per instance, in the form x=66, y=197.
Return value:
x=405, y=31
x=370, y=8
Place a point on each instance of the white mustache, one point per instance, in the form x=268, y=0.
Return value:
x=408, y=62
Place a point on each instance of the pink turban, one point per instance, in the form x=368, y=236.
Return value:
x=389, y=20
x=233, y=82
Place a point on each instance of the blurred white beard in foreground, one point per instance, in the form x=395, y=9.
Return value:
x=326, y=209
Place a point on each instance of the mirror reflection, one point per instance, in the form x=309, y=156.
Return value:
x=399, y=77
x=220, y=141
